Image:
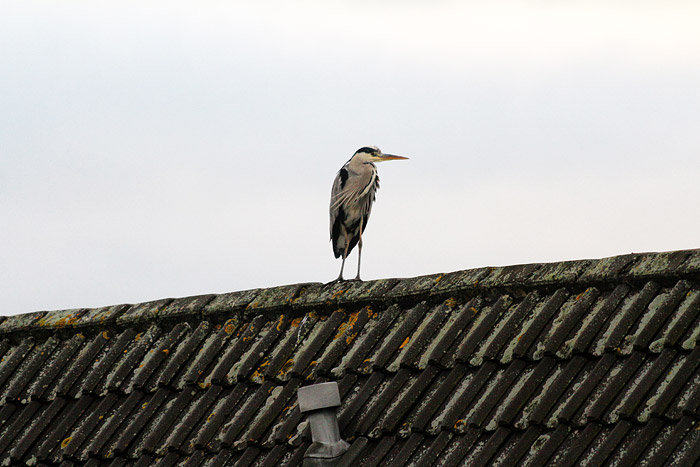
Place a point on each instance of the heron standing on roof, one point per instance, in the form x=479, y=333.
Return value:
x=352, y=196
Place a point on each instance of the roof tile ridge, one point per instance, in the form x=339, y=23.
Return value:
x=633, y=267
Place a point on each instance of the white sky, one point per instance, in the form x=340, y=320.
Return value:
x=164, y=149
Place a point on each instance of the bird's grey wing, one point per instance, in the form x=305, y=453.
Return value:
x=336, y=192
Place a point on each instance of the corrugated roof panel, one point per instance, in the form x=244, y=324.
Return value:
x=204, y=359
x=420, y=338
x=519, y=394
x=624, y=318
x=464, y=394
x=138, y=421
x=347, y=332
x=425, y=408
x=431, y=449
x=229, y=401
x=279, y=398
x=440, y=351
x=593, y=321
x=463, y=450
x=610, y=386
x=25, y=373
x=531, y=327
x=180, y=353
x=565, y=321
x=145, y=376
x=123, y=371
x=636, y=391
x=582, y=362
x=493, y=393
x=578, y=392
x=362, y=346
x=110, y=353
x=677, y=324
x=110, y=423
x=187, y=425
x=517, y=446
x=504, y=331
x=396, y=338
x=483, y=322
x=549, y=393
x=394, y=414
x=12, y=359
x=657, y=314
x=310, y=348
x=231, y=429
x=33, y=429
x=53, y=367
x=544, y=447
x=238, y=342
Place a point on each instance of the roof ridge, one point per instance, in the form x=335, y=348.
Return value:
x=301, y=297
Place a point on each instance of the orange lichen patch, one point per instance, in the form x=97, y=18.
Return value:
x=280, y=322
x=295, y=322
x=451, y=302
x=137, y=337
x=439, y=278
x=211, y=415
x=81, y=335
x=459, y=424
x=293, y=299
x=264, y=364
x=474, y=310
x=253, y=305
x=370, y=314
x=66, y=442
x=105, y=334
x=230, y=328
x=341, y=330
x=286, y=367
x=66, y=320
x=578, y=297
x=353, y=318
x=403, y=344
x=520, y=337
x=350, y=338
x=166, y=351
x=338, y=293
x=476, y=282
x=144, y=405
x=257, y=376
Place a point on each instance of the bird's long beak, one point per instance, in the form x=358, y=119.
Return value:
x=389, y=157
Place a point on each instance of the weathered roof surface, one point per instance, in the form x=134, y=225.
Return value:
x=581, y=362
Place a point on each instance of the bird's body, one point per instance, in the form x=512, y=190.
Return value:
x=352, y=196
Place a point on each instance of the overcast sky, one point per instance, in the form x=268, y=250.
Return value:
x=166, y=149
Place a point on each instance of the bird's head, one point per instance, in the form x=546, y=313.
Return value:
x=373, y=154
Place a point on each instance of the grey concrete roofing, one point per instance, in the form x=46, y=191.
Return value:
x=583, y=362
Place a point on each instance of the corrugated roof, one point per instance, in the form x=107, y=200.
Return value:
x=582, y=362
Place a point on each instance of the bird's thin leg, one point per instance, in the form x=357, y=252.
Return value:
x=345, y=255
x=342, y=265
x=359, y=254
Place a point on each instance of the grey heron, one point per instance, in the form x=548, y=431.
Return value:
x=352, y=196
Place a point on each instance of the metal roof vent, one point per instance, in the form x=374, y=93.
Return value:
x=319, y=402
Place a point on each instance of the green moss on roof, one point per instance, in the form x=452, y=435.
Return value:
x=301, y=297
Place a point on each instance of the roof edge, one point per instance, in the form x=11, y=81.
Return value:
x=305, y=296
